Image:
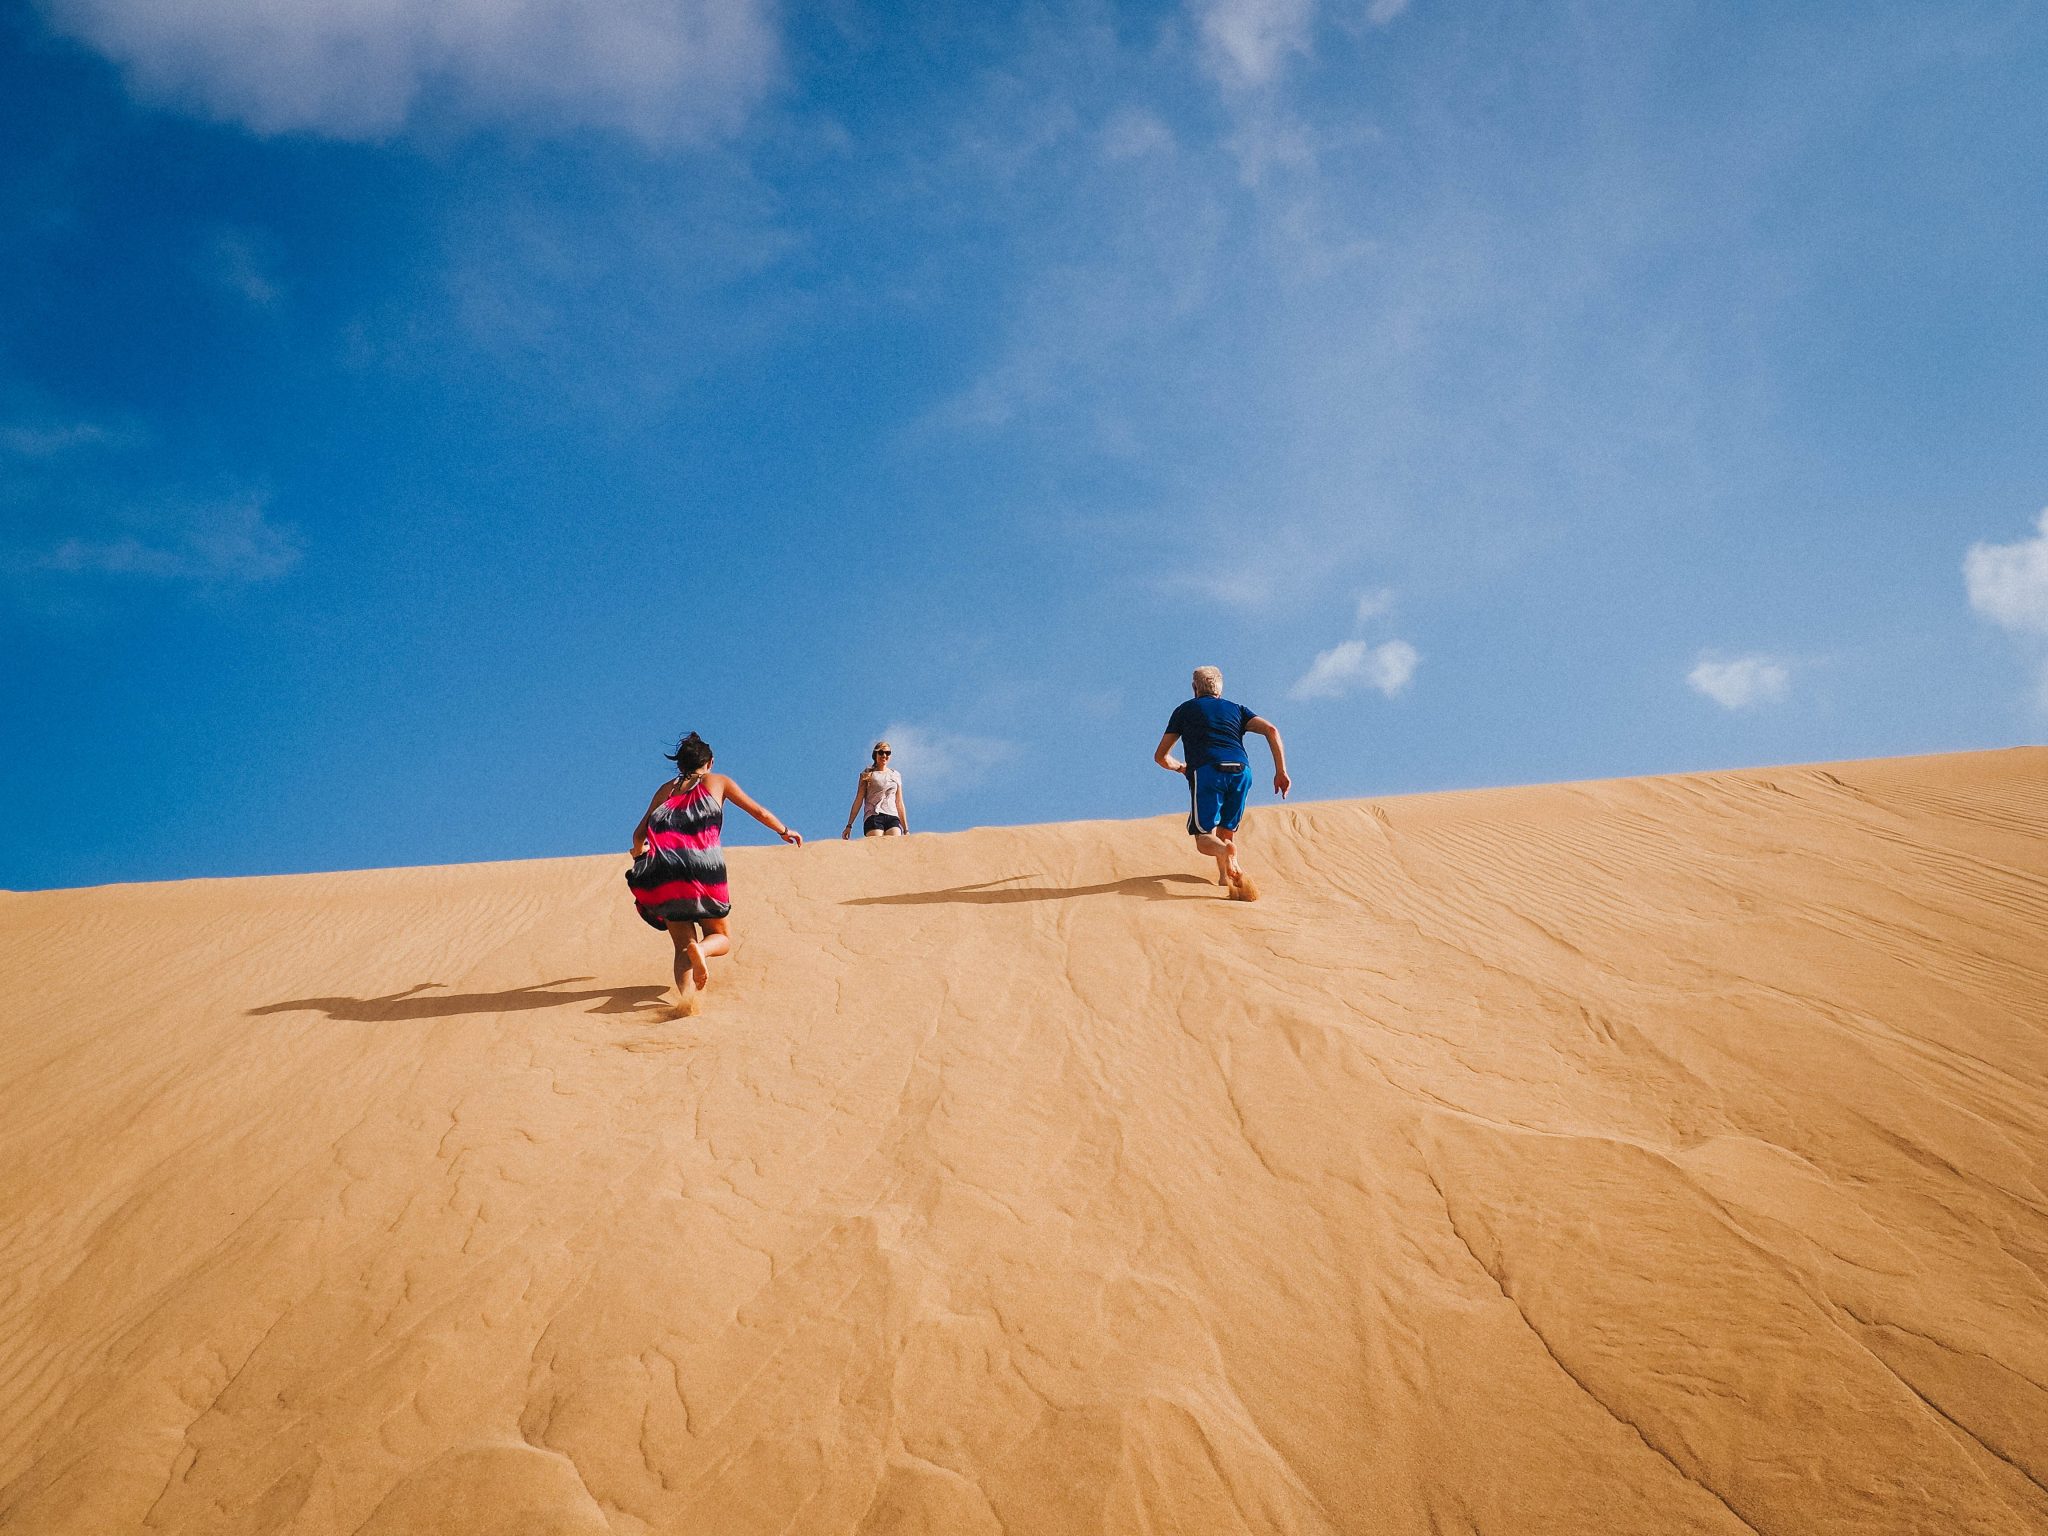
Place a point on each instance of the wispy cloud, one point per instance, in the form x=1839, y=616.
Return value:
x=656, y=69
x=230, y=542
x=535, y=275
x=1246, y=42
x=237, y=261
x=1375, y=604
x=1743, y=682
x=47, y=440
x=1134, y=134
x=936, y=762
x=1247, y=589
x=1354, y=667
x=2008, y=584
x=1283, y=343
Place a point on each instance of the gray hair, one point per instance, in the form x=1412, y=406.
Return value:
x=1209, y=682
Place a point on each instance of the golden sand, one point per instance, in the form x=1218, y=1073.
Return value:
x=1660, y=1155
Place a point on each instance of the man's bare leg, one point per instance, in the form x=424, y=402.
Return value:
x=1220, y=848
x=1241, y=885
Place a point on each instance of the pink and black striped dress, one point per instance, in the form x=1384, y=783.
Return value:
x=681, y=876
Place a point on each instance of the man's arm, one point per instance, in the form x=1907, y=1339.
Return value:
x=1164, y=756
x=1271, y=732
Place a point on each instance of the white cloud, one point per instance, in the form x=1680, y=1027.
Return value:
x=1741, y=683
x=363, y=69
x=936, y=763
x=1355, y=665
x=1376, y=604
x=1246, y=41
x=1380, y=12
x=224, y=542
x=2008, y=583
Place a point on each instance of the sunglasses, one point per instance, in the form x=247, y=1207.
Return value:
x=885, y=754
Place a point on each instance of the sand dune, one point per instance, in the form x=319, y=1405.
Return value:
x=1661, y=1155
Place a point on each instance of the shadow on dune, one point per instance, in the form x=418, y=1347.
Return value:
x=410, y=1005
x=1148, y=887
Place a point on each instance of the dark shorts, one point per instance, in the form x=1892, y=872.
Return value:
x=1216, y=796
x=881, y=824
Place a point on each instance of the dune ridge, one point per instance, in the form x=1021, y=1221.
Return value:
x=1642, y=1156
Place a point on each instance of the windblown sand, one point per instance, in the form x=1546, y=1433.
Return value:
x=1662, y=1155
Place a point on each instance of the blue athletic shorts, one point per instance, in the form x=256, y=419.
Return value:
x=1216, y=795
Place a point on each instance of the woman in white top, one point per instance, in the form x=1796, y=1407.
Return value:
x=879, y=795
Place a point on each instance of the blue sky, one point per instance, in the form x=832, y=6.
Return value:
x=414, y=417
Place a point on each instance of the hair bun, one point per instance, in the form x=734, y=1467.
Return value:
x=691, y=753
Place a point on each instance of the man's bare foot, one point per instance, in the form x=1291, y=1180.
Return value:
x=1243, y=888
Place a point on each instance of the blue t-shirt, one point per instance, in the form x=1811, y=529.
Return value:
x=1211, y=730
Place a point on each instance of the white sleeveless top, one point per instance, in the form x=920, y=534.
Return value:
x=878, y=796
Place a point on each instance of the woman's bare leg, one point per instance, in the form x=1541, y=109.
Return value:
x=715, y=941
x=684, y=937
x=693, y=974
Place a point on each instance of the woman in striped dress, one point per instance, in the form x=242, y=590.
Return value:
x=678, y=873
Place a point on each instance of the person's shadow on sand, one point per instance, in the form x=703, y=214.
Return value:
x=986, y=894
x=410, y=1005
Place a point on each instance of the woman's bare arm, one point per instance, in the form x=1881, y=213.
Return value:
x=902, y=807
x=728, y=790
x=860, y=795
x=640, y=832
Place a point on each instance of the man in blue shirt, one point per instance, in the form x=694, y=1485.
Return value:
x=1211, y=730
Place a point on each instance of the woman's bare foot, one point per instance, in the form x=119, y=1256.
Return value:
x=686, y=1002
x=700, y=968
